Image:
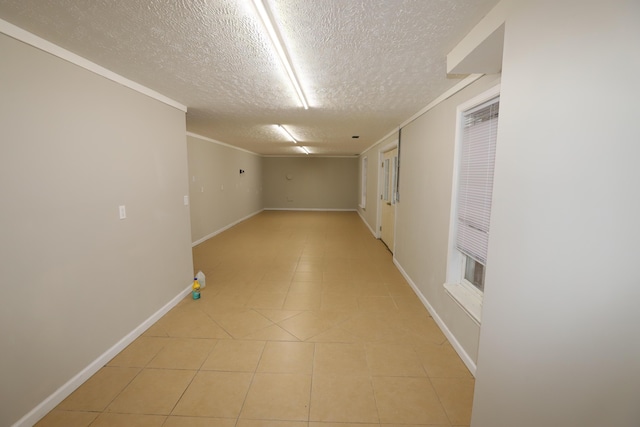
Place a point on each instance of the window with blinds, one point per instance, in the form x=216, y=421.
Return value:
x=475, y=184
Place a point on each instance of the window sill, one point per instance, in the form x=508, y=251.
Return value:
x=470, y=301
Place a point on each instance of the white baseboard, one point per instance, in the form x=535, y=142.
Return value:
x=368, y=226
x=468, y=361
x=70, y=386
x=215, y=233
x=310, y=209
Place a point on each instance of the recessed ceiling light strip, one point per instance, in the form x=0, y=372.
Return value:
x=287, y=134
x=276, y=39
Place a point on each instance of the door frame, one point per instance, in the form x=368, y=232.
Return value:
x=379, y=194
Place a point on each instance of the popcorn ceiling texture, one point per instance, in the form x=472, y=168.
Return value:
x=365, y=66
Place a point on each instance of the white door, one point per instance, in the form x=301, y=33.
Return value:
x=388, y=197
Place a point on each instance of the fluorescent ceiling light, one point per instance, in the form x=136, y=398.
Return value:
x=286, y=132
x=305, y=150
x=276, y=39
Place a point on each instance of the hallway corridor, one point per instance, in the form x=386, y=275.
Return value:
x=304, y=322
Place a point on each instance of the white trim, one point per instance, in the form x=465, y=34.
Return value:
x=367, y=224
x=364, y=180
x=315, y=156
x=70, y=386
x=55, y=50
x=311, y=209
x=485, y=96
x=466, y=359
x=215, y=233
x=381, y=140
x=472, y=304
x=446, y=95
x=467, y=299
x=204, y=138
x=385, y=148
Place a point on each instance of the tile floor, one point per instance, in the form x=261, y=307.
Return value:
x=304, y=322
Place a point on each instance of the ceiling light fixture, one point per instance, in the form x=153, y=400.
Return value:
x=276, y=39
x=305, y=150
x=286, y=132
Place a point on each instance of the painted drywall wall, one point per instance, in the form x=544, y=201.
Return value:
x=221, y=195
x=370, y=212
x=559, y=342
x=310, y=183
x=423, y=214
x=75, y=279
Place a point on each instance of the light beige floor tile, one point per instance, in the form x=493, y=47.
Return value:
x=456, y=395
x=130, y=420
x=305, y=325
x=401, y=289
x=394, y=360
x=333, y=286
x=278, y=315
x=372, y=289
x=426, y=332
x=335, y=335
x=234, y=356
x=376, y=303
x=156, y=330
x=337, y=275
x=271, y=333
x=214, y=394
x=153, y=391
x=321, y=424
x=337, y=301
x=273, y=286
x=191, y=323
x=408, y=303
x=139, y=353
x=278, y=276
x=183, y=353
x=340, y=359
x=242, y=322
x=302, y=301
x=269, y=423
x=287, y=357
x=368, y=326
x=403, y=400
x=267, y=300
x=442, y=361
x=59, y=418
x=418, y=425
x=99, y=390
x=341, y=398
x=308, y=276
x=309, y=266
x=179, y=421
x=278, y=397
x=306, y=288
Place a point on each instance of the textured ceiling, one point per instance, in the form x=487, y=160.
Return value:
x=365, y=65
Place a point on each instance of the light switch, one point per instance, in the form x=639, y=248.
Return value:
x=186, y=200
x=123, y=212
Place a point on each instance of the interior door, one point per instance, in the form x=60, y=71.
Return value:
x=388, y=197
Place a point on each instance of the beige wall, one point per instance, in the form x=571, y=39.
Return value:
x=220, y=195
x=423, y=214
x=559, y=342
x=315, y=183
x=75, y=279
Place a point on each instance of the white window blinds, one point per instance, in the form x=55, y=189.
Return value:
x=475, y=187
